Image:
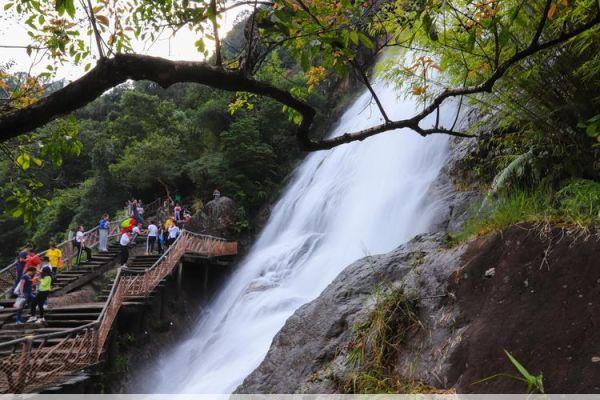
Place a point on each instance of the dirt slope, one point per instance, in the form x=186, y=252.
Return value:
x=542, y=304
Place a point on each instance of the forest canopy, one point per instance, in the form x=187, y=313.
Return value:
x=532, y=66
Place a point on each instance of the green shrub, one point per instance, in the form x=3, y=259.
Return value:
x=576, y=203
x=580, y=201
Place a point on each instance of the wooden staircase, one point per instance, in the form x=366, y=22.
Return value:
x=135, y=265
x=67, y=279
x=74, y=337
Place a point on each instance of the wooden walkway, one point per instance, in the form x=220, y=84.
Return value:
x=40, y=360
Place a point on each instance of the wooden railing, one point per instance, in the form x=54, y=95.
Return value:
x=8, y=274
x=31, y=363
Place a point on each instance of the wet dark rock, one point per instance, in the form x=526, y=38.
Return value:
x=215, y=219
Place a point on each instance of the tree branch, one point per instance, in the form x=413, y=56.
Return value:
x=111, y=72
x=90, y=13
x=365, y=80
x=213, y=20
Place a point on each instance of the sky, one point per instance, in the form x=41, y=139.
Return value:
x=179, y=47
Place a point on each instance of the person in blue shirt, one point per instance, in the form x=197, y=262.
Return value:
x=21, y=262
x=103, y=233
x=25, y=293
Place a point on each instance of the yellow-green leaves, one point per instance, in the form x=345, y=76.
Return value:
x=65, y=5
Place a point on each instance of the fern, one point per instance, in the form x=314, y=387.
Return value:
x=516, y=168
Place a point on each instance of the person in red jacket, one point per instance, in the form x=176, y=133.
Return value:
x=32, y=260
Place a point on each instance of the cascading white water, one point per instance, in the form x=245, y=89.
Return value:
x=343, y=204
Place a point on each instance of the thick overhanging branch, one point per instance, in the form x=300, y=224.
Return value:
x=109, y=73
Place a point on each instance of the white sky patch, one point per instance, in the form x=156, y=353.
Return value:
x=179, y=47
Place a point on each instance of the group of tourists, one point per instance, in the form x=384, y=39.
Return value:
x=159, y=234
x=35, y=275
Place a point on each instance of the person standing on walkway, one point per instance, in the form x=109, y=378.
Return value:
x=124, y=242
x=32, y=260
x=152, y=237
x=162, y=241
x=41, y=298
x=24, y=293
x=173, y=233
x=136, y=213
x=103, y=233
x=55, y=257
x=80, y=244
x=136, y=231
x=177, y=212
x=21, y=258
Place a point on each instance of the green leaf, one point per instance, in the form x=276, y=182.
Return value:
x=503, y=37
x=518, y=365
x=60, y=7
x=365, y=40
x=304, y=61
x=70, y=7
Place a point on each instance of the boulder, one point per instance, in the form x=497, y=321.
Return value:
x=216, y=217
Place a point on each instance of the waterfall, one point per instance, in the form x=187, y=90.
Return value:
x=343, y=204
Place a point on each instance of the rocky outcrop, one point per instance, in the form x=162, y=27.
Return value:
x=308, y=354
x=530, y=290
x=215, y=219
x=453, y=207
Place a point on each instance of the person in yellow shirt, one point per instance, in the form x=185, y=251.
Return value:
x=55, y=257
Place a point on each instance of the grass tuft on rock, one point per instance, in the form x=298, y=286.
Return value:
x=372, y=352
x=576, y=204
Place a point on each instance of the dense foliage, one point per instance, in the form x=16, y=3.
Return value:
x=530, y=67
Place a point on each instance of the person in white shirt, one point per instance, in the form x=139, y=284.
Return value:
x=136, y=231
x=173, y=233
x=80, y=244
x=152, y=237
x=124, y=242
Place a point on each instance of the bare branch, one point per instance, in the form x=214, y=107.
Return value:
x=213, y=20
x=542, y=23
x=365, y=80
x=89, y=10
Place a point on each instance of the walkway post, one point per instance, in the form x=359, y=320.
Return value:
x=205, y=283
x=179, y=278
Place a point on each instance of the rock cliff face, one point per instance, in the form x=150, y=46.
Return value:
x=308, y=355
x=504, y=291
x=531, y=290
